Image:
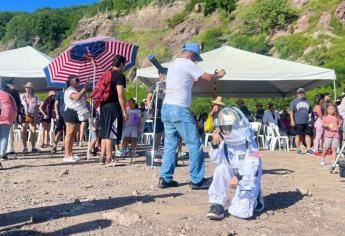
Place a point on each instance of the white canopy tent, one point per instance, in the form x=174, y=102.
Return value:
x=251, y=75
x=24, y=65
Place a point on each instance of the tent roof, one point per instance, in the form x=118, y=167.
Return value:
x=25, y=62
x=24, y=65
x=250, y=74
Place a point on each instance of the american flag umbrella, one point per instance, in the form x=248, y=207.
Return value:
x=88, y=58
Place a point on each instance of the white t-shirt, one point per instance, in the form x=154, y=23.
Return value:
x=181, y=76
x=73, y=104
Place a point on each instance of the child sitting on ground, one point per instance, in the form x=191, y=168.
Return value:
x=130, y=129
x=331, y=123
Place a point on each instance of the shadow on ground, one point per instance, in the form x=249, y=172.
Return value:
x=281, y=200
x=17, y=219
x=74, y=229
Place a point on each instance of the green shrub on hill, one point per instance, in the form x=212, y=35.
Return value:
x=211, y=39
x=5, y=17
x=267, y=15
x=293, y=46
x=255, y=43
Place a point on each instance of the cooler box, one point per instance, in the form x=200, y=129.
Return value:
x=157, y=160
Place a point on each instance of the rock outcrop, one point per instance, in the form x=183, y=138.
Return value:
x=300, y=3
x=325, y=21
x=340, y=13
x=101, y=24
x=302, y=24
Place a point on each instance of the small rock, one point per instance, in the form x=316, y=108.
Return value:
x=65, y=172
x=135, y=193
x=304, y=192
x=89, y=186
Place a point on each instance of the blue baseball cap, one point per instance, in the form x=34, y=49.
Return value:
x=193, y=47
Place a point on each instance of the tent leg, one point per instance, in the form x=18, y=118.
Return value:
x=335, y=90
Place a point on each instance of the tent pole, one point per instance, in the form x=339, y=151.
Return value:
x=136, y=89
x=335, y=90
x=91, y=119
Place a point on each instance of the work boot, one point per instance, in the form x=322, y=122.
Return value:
x=205, y=183
x=216, y=212
x=163, y=184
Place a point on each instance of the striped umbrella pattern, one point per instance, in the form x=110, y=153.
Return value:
x=88, y=58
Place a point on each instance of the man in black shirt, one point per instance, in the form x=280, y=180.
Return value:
x=113, y=111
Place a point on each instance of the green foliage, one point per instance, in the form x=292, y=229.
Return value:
x=211, y=39
x=121, y=6
x=293, y=46
x=177, y=19
x=131, y=92
x=255, y=43
x=226, y=5
x=267, y=15
x=148, y=40
x=51, y=26
x=5, y=17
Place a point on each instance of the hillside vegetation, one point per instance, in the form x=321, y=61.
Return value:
x=309, y=31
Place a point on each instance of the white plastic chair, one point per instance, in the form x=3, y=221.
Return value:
x=279, y=138
x=207, y=135
x=256, y=127
x=146, y=138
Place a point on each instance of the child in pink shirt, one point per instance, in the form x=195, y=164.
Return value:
x=331, y=124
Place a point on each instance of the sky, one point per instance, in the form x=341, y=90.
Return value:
x=32, y=5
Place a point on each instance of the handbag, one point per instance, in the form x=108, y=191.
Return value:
x=209, y=126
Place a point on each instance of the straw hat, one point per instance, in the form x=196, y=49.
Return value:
x=51, y=93
x=218, y=101
x=29, y=85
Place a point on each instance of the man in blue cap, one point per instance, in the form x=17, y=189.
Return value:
x=178, y=119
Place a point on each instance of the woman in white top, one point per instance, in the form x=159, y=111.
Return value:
x=31, y=104
x=75, y=112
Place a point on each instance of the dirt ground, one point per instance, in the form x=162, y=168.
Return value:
x=41, y=195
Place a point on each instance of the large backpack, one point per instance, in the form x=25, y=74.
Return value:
x=102, y=90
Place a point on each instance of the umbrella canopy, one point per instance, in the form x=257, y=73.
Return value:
x=88, y=58
x=250, y=75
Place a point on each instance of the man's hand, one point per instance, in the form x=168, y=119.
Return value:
x=221, y=73
x=216, y=138
x=233, y=182
x=125, y=115
x=57, y=117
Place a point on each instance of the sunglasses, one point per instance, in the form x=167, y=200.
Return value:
x=77, y=80
x=225, y=128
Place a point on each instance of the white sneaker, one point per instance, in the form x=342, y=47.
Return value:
x=70, y=159
x=322, y=162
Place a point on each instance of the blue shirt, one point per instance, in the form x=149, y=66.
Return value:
x=301, y=109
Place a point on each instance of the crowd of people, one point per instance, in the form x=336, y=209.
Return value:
x=114, y=124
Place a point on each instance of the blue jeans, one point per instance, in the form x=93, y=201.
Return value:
x=179, y=122
x=4, y=133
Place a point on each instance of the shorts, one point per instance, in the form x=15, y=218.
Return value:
x=109, y=114
x=330, y=142
x=129, y=132
x=71, y=116
x=303, y=129
x=60, y=125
